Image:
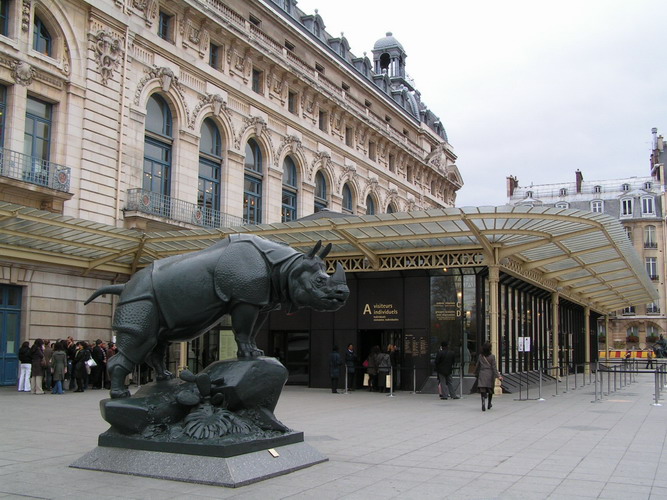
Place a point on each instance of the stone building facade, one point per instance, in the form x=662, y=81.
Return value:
x=156, y=115
x=638, y=203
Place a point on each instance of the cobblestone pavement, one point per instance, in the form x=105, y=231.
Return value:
x=410, y=446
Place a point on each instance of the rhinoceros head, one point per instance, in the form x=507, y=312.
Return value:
x=310, y=285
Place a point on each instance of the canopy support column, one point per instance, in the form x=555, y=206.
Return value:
x=555, y=326
x=494, y=279
x=587, y=339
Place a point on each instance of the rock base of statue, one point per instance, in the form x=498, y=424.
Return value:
x=231, y=472
x=216, y=427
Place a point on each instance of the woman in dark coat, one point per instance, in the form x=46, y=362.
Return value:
x=37, y=374
x=373, y=368
x=82, y=355
x=335, y=361
x=59, y=367
x=487, y=373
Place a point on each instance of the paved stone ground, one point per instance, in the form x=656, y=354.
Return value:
x=411, y=446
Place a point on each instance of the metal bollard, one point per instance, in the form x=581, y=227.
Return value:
x=657, y=390
x=414, y=380
x=539, y=393
x=567, y=379
x=345, y=391
x=391, y=383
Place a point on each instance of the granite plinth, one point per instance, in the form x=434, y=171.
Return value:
x=230, y=472
x=238, y=446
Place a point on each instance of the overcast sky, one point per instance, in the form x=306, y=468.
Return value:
x=531, y=88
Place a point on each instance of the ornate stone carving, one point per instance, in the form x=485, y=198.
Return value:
x=23, y=73
x=256, y=122
x=217, y=103
x=321, y=157
x=108, y=53
x=25, y=15
x=148, y=7
x=195, y=36
x=168, y=81
x=291, y=142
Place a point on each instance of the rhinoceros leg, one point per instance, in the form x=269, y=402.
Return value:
x=156, y=360
x=244, y=318
x=136, y=325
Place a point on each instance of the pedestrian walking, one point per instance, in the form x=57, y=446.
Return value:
x=487, y=373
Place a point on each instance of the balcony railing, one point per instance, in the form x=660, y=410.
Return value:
x=34, y=170
x=147, y=202
x=650, y=244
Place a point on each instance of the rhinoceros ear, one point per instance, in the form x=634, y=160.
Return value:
x=326, y=251
x=313, y=252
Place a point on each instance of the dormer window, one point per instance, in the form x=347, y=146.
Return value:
x=562, y=204
x=648, y=207
x=529, y=194
x=625, y=187
x=597, y=189
x=563, y=191
x=647, y=185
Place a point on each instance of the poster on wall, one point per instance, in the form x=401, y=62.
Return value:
x=382, y=306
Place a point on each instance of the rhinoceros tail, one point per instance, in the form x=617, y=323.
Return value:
x=112, y=289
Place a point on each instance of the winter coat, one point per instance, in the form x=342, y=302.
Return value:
x=24, y=355
x=444, y=362
x=372, y=365
x=58, y=365
x=383, y=363
x=486, y=371
x=350, y=361
x=334, y=364
x=82, y=356
x=37, y=355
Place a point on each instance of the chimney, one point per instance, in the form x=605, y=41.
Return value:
x=579, y=179
x=512, y=184
x=654, y=133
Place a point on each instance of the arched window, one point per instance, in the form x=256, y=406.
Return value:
x=348, y=205
x=650, y=240
x=210, y=173
x=370, y=205
x=41, y=38
x=391, y=208
x=320, y=192
x=289, y=190
x=157, y=148
x=37, y=140
x=252, y=190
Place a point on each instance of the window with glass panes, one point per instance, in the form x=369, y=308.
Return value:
x=647, y=206
x=157, y=147
x=626, y=207
x=370, y=205
x=41, y=38
x=252, y=184
x=210, y=172
x=320, y=192
x=652, y=267
x=649, y=237
x=597, y=206
x=348, y=205
x=288, y=211
x=37, y=139
x=4, y=17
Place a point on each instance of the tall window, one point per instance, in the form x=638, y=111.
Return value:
x=371, y=150
x=157, y=147
x=349, y=136
x=323, y=121
x=348, y=205
x=37, y=139
x=292, y=102
x=289, y=190
x=4, y=17
x=597, y=206
x=370, y=205
x=628, y=232
x=3, y=103
x=214, y=56
x=210, y=171
x=652, y=267
x=392, y=163
x=648, y=206
x=41, y=38
x=320, y=192
x=650, y=240
x=252, y=186
x=257, y=78
x=164, y=27
x=626, y=207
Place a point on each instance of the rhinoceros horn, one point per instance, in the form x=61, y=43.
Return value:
x=326, y=251
x=339, y=275
x=317, y=246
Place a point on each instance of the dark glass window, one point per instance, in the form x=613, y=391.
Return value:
x=291, y=102
x=320, y=192
x=257, y=81
x=289, y=190
x=157, y=147
x=252, y=186
x=390, y=208
x=347, y=199
x=4, y=17
x=370, y=205
x=210, y=168
x=164, y=26
x=213, y=55
x=41, y=38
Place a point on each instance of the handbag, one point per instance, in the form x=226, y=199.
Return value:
x=387, y=381
x=367, y=378
x=91, y=362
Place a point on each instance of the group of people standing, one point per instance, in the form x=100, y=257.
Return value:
x=378, y=367
x=45, y=366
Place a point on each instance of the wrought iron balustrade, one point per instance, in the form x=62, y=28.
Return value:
x=33, y=170
x=147, y=202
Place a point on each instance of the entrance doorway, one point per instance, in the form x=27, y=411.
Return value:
x=369, y=338
x=10, y=315
x=292, y=349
